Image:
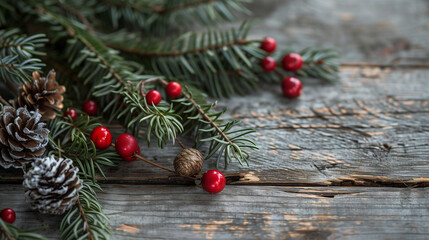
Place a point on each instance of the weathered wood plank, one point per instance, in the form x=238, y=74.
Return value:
x=256, y=212
x=382, y=31
x=374, y=122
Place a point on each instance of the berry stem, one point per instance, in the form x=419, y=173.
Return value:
x=162, y=167
x=180, y=143
x=82, y=213
x=141, y=84
x=6, y=234
x=157, y=165
x=276, y=70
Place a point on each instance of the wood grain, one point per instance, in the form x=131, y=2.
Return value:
x=251, y=212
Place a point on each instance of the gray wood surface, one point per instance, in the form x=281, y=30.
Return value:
x=348, y=160
x=252, y=212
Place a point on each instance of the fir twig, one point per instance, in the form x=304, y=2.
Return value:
x=6, y=234
x=86, y=224
x=207, y=118
x=10, y=232
x=175, y=52
x=78, y=14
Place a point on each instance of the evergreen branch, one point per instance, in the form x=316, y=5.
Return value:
x=5, y=234
x=10, y=232
x=206, y=117
x=221, y=63
x=71, y=140
x=320, y=63
x=110, y=74
x=86, y=220
x=86, y=224
x=12, y=43
x=175, y=52
x=16, y=55
x=208, y=126
x=157, y=18
x=78, y=14
x=13, y=70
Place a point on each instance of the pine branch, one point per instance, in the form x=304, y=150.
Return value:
x=157, y=18
x=10, y=232
x=319, y=63
x=86, y=220
x=208, y=126
x=221, y=63
x=16, y=55
x=86, y=224
x=71, y=140
x=110, y=75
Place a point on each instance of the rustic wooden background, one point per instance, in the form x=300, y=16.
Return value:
x=348, y=160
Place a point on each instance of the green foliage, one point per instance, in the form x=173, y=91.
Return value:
x=226, y=139
x=71, y=139
x=90, y=220
x=17, y=233
x=16, y=55
x=113, y=81
x=221, y=63
x=320, y=63
x=158, y=16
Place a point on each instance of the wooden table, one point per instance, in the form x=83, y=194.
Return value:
x=348, y=160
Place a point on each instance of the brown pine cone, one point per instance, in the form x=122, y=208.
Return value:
x=51, y=185
x=22, y=137
x=188, y=162
x=44, y=94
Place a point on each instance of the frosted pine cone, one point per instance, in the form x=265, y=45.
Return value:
x=188, y=162
x=44, y=94
x=51, y=185
x=22, y=137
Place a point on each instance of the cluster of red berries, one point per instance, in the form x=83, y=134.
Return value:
x=292, y=62
x=126, y=145
x=8, y=215
x=173, y=90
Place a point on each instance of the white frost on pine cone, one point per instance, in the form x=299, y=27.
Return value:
x=51, y=185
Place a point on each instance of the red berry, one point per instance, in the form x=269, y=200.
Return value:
x=72, y=113
x=153, y=97
x=90, y=107
x=292, y=62
x=291, y=87
x=126, y=146
x=8, y=215
x=268, y=64
x=213, y=181
x=101, y=137
x=268, y=44
x=173, y=90
x=131, y=158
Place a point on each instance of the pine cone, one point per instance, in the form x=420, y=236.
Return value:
x=188, y=162
x=51, y=185
x=44, y=94
x=22, y=137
